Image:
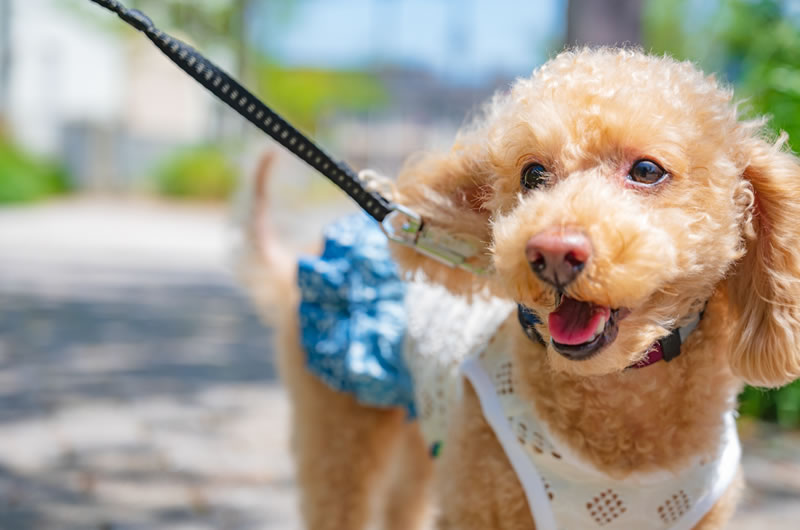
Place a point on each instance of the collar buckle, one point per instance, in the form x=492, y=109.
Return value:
x=405, y=226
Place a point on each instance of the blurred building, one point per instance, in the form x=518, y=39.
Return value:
x=98, y=95
x=438, y=60
x=95, y=94
x=425, y=112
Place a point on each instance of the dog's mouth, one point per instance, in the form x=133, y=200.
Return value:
x=579, y=330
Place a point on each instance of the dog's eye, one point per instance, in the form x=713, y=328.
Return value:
x=646, y=172
x=533, y=176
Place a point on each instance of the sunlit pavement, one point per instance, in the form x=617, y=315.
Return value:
x=137, y=387
x=138, y=390
x=772, y=469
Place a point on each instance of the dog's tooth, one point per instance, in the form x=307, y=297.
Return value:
x=600, y=327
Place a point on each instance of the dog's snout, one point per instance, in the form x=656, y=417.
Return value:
x=558, y=256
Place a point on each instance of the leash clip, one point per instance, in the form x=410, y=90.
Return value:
x=405, y=226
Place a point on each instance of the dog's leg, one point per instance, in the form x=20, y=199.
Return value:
x=408, y=499
x=341, y=447
x=478, y=485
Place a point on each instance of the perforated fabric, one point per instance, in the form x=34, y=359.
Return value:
x=448, y=337
x=442, y=331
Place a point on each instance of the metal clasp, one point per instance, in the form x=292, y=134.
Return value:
x=402, y=225
x=406, y=227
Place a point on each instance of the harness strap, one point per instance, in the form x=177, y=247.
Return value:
x=254, y=110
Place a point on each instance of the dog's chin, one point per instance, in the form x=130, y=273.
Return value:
x=607, y=360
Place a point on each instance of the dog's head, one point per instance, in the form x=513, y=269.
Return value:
x=615, y=192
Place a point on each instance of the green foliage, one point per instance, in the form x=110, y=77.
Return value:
x=25, y=178
x=751, y=42
x=781, y=405
x=769, y=60
x=756, y=46
x=198, y=173
x=208, y=21
x=302, y=95
x=305, y=94
x=663, y=29
x=217, y=22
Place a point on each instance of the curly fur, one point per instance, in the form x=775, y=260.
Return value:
x=722, y=229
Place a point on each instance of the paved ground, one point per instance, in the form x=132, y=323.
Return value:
x=137, y=390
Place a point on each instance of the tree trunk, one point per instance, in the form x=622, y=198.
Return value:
x=5, y=62
x=241, y=11
x=604, y=22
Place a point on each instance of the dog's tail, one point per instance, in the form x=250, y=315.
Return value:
x=266, y=268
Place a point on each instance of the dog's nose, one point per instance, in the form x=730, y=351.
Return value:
x=557, y=256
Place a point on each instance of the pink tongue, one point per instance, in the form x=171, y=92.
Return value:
x=575, y=322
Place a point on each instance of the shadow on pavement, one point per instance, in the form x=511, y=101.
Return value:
x=159, y=340
x=142, y=402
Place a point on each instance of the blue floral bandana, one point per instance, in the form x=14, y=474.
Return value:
x=352, y=315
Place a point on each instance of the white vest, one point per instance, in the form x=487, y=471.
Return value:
x=448, y=338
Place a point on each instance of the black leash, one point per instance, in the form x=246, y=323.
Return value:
x=400, y=224
x=254, y=110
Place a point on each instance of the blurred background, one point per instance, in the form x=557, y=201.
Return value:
x=137, y=387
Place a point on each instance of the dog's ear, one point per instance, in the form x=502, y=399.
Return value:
x=449, y=190
x=765, y=287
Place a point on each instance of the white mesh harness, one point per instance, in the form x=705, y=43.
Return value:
x=448, y=338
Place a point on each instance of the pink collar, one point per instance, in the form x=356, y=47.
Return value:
x=670, y=346
x=653, y=355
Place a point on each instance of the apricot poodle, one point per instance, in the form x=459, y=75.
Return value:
x=641, y=241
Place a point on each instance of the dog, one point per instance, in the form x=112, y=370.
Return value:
x=642, y=242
